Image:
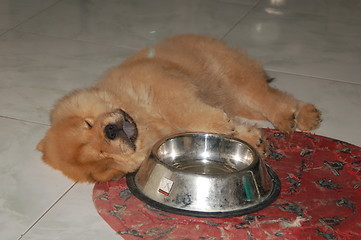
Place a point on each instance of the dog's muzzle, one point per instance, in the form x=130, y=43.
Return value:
x=125, y=129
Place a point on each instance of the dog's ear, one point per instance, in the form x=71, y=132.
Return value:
x=41, y=145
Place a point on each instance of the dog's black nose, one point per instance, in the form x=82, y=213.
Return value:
x=111, y=131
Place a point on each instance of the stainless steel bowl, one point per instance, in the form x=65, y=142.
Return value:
x=205, y=175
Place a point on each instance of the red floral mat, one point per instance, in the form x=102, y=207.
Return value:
x=320, y=199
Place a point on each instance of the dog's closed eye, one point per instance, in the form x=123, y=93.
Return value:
x=88, y=123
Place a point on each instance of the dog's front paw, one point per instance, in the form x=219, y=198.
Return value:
x=262, y=146
x=308, y=118
x=286, y=123
x=254, y=137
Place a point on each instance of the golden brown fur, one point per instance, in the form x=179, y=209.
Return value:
x=185, y=83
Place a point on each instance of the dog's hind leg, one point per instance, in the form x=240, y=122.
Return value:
x=284, y=111
x=262, y=102
x=240, y=88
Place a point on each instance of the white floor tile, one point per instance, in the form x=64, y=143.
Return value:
x=332, y=9
x=317, y=44
x=14, y=12
x=74, y=217
x=339, y=102
x=37, y=70
x=28, y=186
x=135, y=23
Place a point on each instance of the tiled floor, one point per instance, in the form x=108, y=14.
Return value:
x=48, y=47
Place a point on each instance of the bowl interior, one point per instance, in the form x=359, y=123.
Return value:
x=205, y=154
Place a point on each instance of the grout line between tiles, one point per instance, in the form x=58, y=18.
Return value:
x=29, y=18
x=240, y=19
x=61, y=197
x=311, y=76
x=23, y=120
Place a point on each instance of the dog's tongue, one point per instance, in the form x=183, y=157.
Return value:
x=130, y=130
x=129, y=127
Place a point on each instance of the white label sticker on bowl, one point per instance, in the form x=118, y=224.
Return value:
x=165, y=186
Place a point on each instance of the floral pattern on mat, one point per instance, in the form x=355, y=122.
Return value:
x=320, y=199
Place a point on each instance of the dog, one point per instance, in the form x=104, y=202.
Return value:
x=186, y=83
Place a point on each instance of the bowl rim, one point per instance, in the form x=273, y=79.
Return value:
x=254, y=152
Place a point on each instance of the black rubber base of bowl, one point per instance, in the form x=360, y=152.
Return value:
x=276, y=189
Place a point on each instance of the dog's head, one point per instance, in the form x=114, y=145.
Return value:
x=90, y=139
